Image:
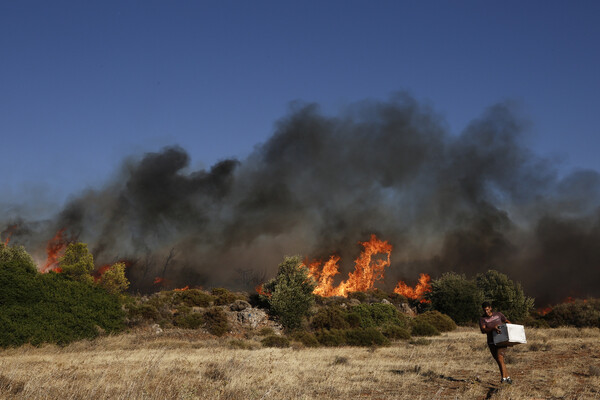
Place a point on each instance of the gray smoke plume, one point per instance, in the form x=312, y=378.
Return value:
x=468, y=203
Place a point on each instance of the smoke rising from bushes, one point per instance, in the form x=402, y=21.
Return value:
x=468, y=203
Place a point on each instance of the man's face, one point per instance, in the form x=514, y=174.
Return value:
x=488, y=311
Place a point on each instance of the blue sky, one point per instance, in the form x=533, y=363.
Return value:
x=85, y=84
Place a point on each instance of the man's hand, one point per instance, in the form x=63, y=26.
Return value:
x=498, y=329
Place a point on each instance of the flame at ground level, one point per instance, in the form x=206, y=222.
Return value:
x=368, y=269
x=416, y=293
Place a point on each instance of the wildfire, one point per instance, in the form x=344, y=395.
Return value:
x=158, y=280
x=55, y=249
x=260, y=290
x=9, y=231
x=366, y=270
x=416, y=293
x=182, y=289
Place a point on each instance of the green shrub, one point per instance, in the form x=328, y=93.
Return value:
x=395, y=332
x=505, y=295
x=360, y=296
x=439, y=321
x=365, y=337
x=50, y=308
x=579, y=313
x=331, y=338
x=353, y=319
x=275, y=341
x=377, y=314
x=291, y=296
x=215, y=321
x=457, y=297
x=377, y=295
x=329, y=317
x=144, y=311
x=306, y=338
x=188, y=320
x=266, y=331
x=191, y=298
x=396, y=298
x=224, y=297
x=423, y=328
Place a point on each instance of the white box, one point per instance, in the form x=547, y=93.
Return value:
x=510, y=334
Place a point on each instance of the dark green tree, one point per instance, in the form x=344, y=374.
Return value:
x=457, y=297
x=290, y=293
x=506, y=296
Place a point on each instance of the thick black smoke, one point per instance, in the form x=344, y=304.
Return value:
x=468, y=203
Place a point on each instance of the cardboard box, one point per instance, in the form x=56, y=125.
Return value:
x=510, y=334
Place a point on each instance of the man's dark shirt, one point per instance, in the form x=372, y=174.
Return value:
x=496, y=319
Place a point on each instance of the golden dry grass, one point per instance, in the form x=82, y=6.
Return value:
x=559, y=363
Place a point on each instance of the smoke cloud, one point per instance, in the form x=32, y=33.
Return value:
x=468, y=203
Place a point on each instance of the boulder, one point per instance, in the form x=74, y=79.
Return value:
x=239, y=305
x=252, y=317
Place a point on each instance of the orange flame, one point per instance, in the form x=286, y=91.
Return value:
x=55, y=249
x=260, y=290
x=9, y=231
x=366, y=270
x=545, y=310
x=182, y=289
x=416, y=293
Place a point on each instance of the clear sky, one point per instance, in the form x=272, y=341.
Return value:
x=84, y=84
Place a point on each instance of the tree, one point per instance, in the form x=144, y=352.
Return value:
x=505, y=295
x=291, y=292
x=77, y=263
x=456, y=296
x=113, y=280
x=16, y=256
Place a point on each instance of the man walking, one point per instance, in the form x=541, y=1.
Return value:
x=489, y=322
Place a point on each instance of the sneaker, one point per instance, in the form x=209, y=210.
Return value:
x=507, y=380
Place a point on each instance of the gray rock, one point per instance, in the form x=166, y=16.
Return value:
x=239, y=305
x=252, y=317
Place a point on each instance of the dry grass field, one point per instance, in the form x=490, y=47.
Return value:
x=555, y=364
